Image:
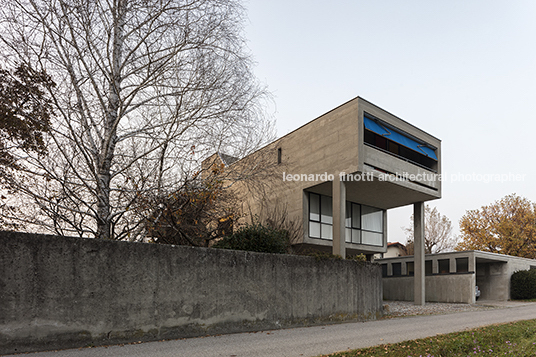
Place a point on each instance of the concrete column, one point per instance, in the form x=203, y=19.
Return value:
x=435, y=266
x=339, y=216
x=305, y=215
x=472, y=263
x=452, y=265
x=418, y=241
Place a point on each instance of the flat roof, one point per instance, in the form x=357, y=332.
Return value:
x=479, y=255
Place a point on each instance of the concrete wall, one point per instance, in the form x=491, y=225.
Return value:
x=493, y=278
x=489, y=271
x=58, y=292
x=453, y=288
x=440, y=286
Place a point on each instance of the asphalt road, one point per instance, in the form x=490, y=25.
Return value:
x=310, y=341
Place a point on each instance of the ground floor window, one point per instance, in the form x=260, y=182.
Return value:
x=428, y=267
x=410, y=268
x=397, y=269
x=364, y=224
x=320, y=217
x=444, y=266
x=462, y=265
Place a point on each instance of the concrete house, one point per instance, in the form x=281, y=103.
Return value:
x=339, y=174
x=453, y=276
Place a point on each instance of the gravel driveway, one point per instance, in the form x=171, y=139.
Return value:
x=407, y=308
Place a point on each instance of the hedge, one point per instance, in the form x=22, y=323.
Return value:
x=523, y=285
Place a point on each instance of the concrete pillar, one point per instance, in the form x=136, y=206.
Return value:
x=305, y=217
x=472, y=263
x=418, y=241
x=339, y=216
x=452, y=265
x=435, y=266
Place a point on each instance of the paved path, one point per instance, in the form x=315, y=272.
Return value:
x=311, y=341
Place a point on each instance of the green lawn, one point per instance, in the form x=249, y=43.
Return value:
x=511, y=339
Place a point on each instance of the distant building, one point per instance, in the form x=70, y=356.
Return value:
x=453, y=276
x=393, y=250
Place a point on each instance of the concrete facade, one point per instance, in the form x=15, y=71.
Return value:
x=58, y=292
x=331, y=157
x=452, y=277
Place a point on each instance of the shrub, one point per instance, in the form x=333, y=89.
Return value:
x=523, y=284
x=257, y=238
x=318, y=255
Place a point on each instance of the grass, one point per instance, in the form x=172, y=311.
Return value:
x=511, y=339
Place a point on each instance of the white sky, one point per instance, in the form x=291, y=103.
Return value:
x=462, y=70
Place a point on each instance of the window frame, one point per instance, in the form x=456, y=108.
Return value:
x=319, y=221
x=462, y=265
x=396, y=268
x=443, y=266
x=382, y=143
x=354, y=228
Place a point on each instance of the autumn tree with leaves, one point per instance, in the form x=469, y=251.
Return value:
x=25, y=112
x=508, y=226
x=25, y=116
x=438, y=236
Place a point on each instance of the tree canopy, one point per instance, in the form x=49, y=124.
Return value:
x=145, y=90
x=25, y=112
x=25, y=116
x=507, y=226
x=438, y=235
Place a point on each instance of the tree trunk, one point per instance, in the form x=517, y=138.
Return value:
x=106, y=155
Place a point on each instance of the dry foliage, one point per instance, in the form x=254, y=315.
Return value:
x=507, y=226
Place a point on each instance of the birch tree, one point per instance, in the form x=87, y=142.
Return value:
x=145, y=89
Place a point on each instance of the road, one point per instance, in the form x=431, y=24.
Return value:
x=310, y=341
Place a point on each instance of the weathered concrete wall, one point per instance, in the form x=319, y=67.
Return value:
x=491, y=272
x=493, y=278
x=438, y=288
x=58, y=292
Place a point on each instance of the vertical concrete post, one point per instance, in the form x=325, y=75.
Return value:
x=472, y=269
x=305, y=213
x=452, y=265
x=472, y=263
x=418, y=243
x=339, y=216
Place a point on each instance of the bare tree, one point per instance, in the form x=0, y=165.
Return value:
x=438, y=235
x=145, y=88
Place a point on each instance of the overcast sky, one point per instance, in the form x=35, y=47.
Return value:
x=463, y=71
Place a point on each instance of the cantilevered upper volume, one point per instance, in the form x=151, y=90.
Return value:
x=339, y=174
